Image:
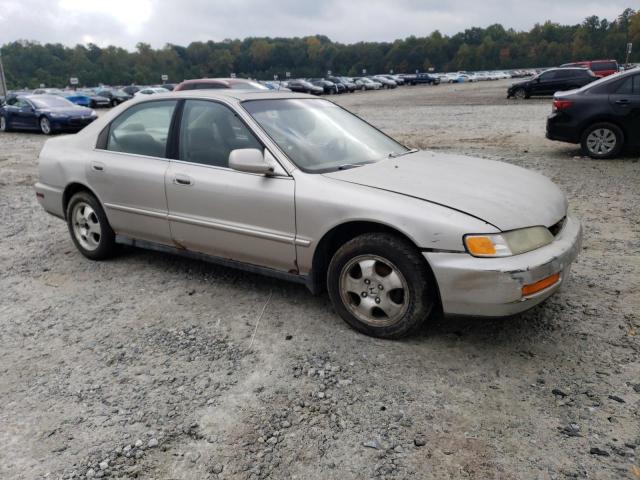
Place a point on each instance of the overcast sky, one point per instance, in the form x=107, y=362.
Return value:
x=127, y=22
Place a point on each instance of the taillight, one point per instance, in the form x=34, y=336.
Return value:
x=561, y=104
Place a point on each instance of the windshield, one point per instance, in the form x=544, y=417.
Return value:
x=318, y=136
x=46, y=101
x=248, y=86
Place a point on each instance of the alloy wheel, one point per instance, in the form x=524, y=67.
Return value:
x=374, y=290
x=520, y=94
x=601, y=141
x=86, y=226
x=45, y=125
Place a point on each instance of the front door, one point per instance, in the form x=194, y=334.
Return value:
x=625, y=102
x=223, y=212
x=127, y=171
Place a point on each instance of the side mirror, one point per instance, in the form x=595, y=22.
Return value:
x=249, y=160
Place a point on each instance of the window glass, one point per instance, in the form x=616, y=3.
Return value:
x=625, y=87
x=207, y=86
x=319, y=136
x=209, y=131
x=636, y=84
x=143, y=129
x=599, y=66
x=546, y=76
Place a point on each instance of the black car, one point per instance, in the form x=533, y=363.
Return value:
x=603, y=117
x=131, y=89
x=46, y=113
x=421, y=79
x=552, y=81
x=302, y=86
x=348, y=86
x=115, y=96
x=327, y=87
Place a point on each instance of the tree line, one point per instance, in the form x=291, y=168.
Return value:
x=30, y=64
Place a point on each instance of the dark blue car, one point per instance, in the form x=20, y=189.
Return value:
x=46, y=113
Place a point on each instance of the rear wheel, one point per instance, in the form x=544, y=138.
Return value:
x=520, y=94
x=602, y=140
x=89, y=227
x=379, y=284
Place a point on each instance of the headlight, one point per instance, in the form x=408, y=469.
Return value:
x=510, y=243
x=93, y=113
x=57, y=115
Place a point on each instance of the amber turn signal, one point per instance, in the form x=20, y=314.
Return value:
x=540, y=285
x=480, y=246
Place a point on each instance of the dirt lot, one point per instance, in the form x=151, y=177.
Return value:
x=142, y=366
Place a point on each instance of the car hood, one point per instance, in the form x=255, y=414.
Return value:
x=523, y=83
x=504, y=195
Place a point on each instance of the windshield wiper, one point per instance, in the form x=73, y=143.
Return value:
x=347, y=166
x=400, y=154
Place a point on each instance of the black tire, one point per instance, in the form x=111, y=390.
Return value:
x=409, y=263
x=520, y=94
x=4, y=124
x=106, y=245
x=114, y=103
x=599, y=129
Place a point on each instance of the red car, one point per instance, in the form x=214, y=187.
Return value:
x=209, y=83
x=601, y=68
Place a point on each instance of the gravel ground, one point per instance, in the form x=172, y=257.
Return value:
x=144, y=366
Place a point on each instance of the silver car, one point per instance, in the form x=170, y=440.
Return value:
x=298, y=188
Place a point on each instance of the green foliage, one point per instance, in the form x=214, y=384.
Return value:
x=29, y=64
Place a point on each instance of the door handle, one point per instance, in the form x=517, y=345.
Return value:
x=180, y=179
x=98, y=167
x=623, y=102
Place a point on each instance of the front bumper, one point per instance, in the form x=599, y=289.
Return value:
x=71, y=124
x=492, y=287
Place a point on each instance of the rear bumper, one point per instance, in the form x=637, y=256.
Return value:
x=50, y=198
x=561, y=129
x=492, y=287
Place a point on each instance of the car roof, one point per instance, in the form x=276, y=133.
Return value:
x=231, y=94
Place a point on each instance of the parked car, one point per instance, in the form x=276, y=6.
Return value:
x=131, y=89
x=299, y=188
x=551, y=81
x=115, y=96
x=603, y=117
x=394, y=78
x=601, y=68
x=385, y=82
x=364, y=83
x=328, y=87
x=349, y=86
x=95, y=100
x=422, y=79
x=46, y=113
x=73, y=96
x=302, y=86
x=150, y=91
x=209, y=83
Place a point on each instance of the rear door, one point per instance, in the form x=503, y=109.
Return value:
x=625, y=102
x=128, y=167
x=223, y=212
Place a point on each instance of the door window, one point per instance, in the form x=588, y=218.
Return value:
x=625, y=87
x=209, y=131
x=143, y=129
x=547, y=76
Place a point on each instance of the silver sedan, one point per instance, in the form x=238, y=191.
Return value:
x=298, y=188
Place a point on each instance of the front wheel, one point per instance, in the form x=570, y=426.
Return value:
x=89, y=227
x=4, y=124
x=45, y=126
x=602, y=140
x=379, y=284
